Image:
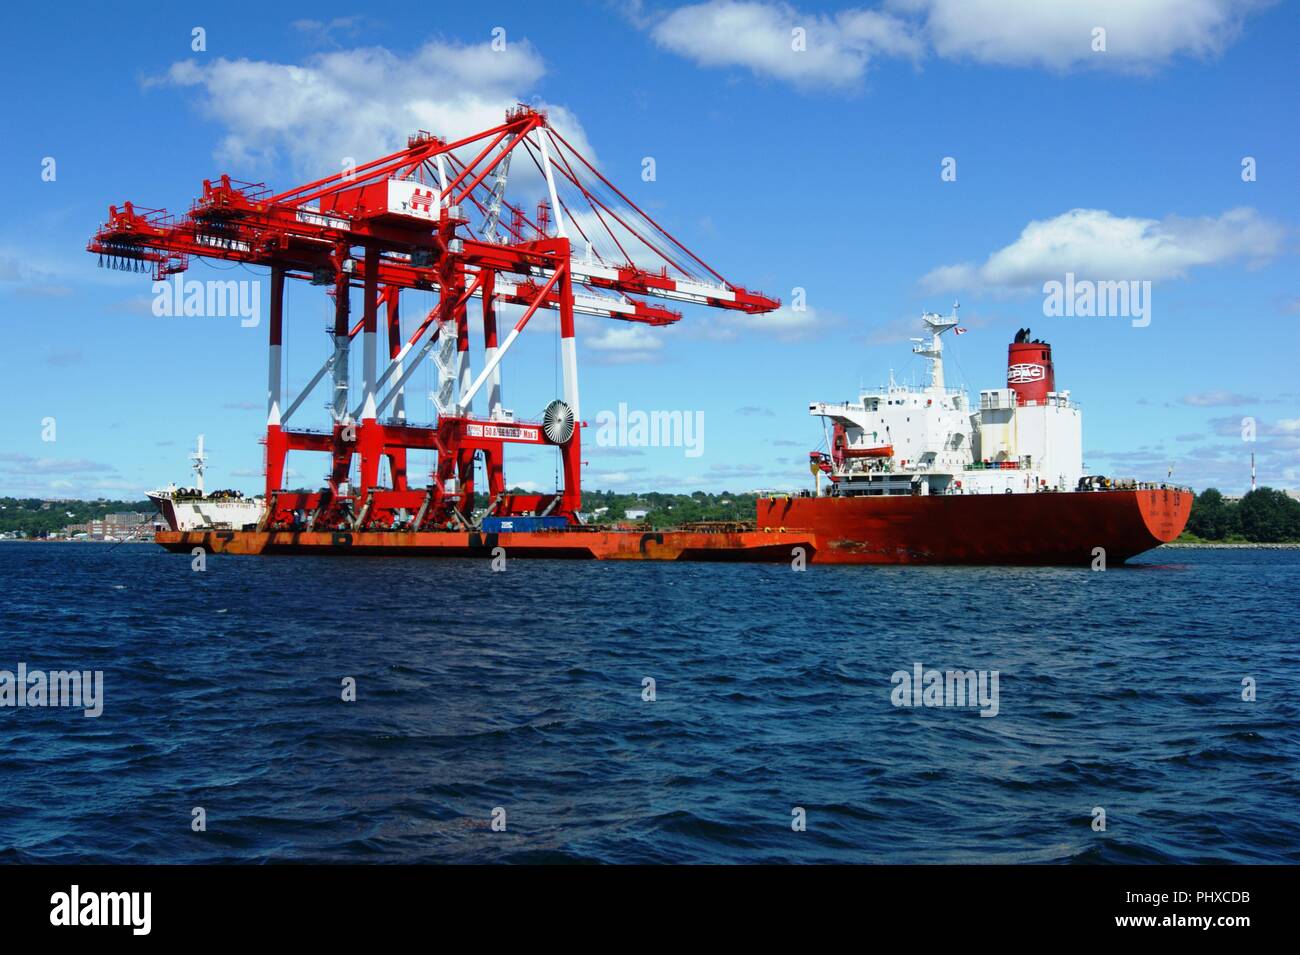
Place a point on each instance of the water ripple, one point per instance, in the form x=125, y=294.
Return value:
x=480, y=694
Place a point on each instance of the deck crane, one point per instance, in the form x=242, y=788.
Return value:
x=433, y=216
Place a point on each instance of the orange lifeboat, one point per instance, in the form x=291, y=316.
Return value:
x=842, y=449
x=883, y=451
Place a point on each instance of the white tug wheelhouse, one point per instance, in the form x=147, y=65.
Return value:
x=1024, y=438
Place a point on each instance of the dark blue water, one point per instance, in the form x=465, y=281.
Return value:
x=523, y=690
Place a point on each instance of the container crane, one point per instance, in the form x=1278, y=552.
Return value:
x=434, y=217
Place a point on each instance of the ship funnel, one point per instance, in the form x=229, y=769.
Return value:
x=1029, y=369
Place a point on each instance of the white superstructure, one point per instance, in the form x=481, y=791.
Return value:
x=1024, y=438
x=187, y=509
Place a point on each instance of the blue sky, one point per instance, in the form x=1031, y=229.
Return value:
x=817, y=169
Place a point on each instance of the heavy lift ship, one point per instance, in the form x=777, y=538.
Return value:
x=435, y=217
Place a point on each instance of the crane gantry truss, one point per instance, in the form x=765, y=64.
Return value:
x=428, y=218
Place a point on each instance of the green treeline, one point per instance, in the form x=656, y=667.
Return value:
x=1264, y=516
x=666, y=510
x=33, y=517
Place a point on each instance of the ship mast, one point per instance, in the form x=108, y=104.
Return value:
x=199, y=459
x=932, y=350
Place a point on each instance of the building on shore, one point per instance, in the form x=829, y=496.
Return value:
x=118, y=526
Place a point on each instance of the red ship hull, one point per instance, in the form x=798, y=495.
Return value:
x=975, y=529
x=1048, y=528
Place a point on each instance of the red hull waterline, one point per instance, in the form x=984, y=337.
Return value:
x=1026, y=529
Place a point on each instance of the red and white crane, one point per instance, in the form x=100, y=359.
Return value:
x=433, y=216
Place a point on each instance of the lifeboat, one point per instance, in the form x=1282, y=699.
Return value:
x=844, y=450
x=882, y=451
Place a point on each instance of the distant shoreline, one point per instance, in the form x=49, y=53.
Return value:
x=68, y=540
x=1235, y=545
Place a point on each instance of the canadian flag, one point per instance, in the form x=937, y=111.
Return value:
x=958, y=330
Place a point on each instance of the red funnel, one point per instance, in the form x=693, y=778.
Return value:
x=1029, y=371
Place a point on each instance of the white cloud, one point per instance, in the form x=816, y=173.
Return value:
x=623, y=342
x=324, y=31
x=25, y=464
x=362, y=103
x=632, y=343
x=1285, y=429
x=1141, y=35
x=784, y=324
x=1217, y=399
x=760, y=37
x=1095, y=244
